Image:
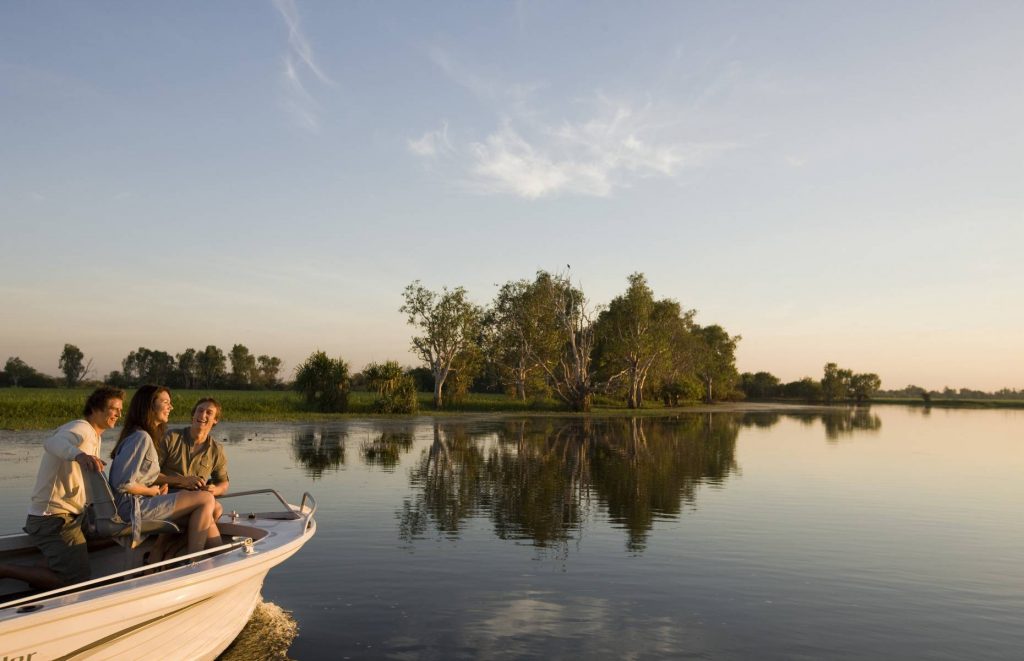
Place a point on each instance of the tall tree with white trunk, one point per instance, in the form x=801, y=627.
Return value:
x=449, y=325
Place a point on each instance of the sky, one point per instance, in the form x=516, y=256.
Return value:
x=835, y=182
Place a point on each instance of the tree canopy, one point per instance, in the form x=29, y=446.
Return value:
x=71, y=364
x=449, y=325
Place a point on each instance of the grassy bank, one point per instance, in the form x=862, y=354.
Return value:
x=43, y=408
x=46, y=408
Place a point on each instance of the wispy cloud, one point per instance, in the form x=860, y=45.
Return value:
x=595, y=156
x=300, y=64
x=432, y=143
x=607, y=145
x=506, y=162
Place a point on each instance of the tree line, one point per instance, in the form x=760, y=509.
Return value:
x=954, y=394
x=542, y=338
x=208, y=368
x=539, y=339
x=836, y=385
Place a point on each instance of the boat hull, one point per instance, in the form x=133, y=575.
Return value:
x=189, y=612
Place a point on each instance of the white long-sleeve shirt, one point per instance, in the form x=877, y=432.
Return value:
x=59, y=486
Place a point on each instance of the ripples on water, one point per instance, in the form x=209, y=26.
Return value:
x=857, y=533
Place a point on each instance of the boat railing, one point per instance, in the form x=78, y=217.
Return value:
x=123, y=575
x=288, y=512
x=306, y=496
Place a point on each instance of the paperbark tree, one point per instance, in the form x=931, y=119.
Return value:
x=147, y=366
x=268, y=367
x=243, y=366
x=761, y=385
x=572, y=373
x=635, y=333
x=18, y=371
x=212, y=366
x=450, y=325
x=716, y=360
x=523, y=332
x=188, y=368
x=71, y=364
x=835, y=383
x=864, y=385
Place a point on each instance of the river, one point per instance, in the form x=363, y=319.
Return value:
x=889, y=532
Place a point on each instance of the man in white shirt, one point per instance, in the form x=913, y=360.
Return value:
x=58, y=500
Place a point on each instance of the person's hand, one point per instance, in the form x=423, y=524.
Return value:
x=89, y=462
x=193, y=482
x=160, y=490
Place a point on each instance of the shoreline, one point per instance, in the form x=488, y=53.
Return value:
x=30, y=409
x=599, y=412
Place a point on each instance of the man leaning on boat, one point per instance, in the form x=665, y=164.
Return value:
x=55, y=513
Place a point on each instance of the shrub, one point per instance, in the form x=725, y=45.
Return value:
x=324, y=382
x=396, y=390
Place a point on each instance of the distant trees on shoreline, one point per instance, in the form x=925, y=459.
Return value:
x=189, y=369
x=539, y=339
x=542, y=338
x=836, y=385
x=953, y=393
x=199, y=369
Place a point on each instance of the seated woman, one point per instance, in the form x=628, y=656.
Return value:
x=135, y=469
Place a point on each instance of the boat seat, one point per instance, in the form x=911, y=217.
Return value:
x=101, y=517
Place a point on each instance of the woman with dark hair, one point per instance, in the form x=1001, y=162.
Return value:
x=135, y=469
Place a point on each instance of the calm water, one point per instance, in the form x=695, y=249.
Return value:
x=889, y=533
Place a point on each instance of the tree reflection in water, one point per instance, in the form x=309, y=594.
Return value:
x=385, y=450
x=838, y=422
x=319, y=449
x=446, y=481
x=538, y=478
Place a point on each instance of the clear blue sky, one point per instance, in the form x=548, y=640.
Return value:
x=834, y=181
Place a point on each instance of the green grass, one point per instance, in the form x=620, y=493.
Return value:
x=46, y=408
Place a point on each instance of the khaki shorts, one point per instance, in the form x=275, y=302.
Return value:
x=59, y=537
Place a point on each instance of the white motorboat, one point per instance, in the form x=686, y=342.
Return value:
x=188, y=607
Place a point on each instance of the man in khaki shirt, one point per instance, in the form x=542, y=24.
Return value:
x=58, y=500
x=191, y=459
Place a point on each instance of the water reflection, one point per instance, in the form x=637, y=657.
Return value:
x=385, y=450
x=447, y=480
x=535, y=479
x=319, y=449
x=837, y=422
x=539, y=479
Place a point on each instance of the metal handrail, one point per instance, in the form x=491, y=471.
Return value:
x=312, y=510
x=254, y=492
x=109, y=578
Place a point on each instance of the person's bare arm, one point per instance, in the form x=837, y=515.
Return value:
x=140, y=490
x=218, y=489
